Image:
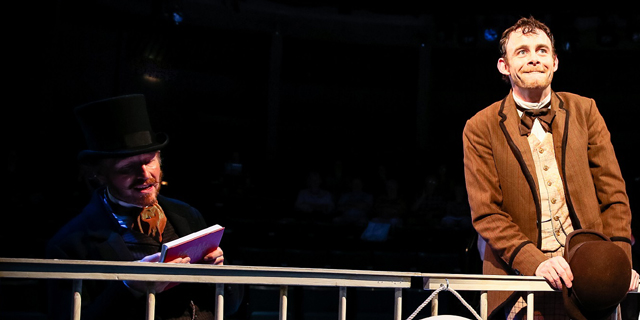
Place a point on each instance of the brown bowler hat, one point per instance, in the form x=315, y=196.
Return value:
x=601, y=274
x=117, y=127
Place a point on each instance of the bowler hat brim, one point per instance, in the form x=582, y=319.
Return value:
x=601, y=273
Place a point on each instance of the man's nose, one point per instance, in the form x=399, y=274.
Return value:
x=534, y=59
x=143, y=171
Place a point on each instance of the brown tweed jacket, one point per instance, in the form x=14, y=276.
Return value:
x=502, y=184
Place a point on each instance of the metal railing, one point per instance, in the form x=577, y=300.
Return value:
x=284, y=277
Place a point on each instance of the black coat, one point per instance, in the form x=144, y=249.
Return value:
x=96, y=235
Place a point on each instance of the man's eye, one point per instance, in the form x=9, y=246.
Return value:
x=125, y=170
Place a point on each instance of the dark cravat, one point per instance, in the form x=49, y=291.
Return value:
x=544, y=114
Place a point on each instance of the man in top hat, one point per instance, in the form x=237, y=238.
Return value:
x=539, y=164
x=127, y=219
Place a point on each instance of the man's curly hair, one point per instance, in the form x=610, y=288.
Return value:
x=526, y=25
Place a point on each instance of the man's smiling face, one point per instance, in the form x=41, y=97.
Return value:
x=136, y=179
x=529, y=62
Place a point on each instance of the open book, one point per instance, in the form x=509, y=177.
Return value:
x=195, y=245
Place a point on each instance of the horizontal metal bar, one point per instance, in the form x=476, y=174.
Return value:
x=201, y=273
x=485, y=283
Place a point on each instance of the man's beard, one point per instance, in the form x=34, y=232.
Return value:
x=148, y=199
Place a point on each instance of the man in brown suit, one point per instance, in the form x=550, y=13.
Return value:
x=533, y=181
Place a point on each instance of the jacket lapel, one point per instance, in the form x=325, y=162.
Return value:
x=520, y=146
x=105, y=231
x=179, y=223
x=559, y=130
x=521, y=150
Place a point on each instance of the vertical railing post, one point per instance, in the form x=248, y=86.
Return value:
x=77, y=299
x=397, y=309
x=434, y=305
x=616, y=313
x=530, y=305
x=219, y=301
x=342, y=306
x=484, y=305
x=151, y=301
x=283, y=302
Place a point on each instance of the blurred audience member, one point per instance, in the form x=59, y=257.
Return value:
x=390, y=207
x=430, y=205
x=458, y=214
x=314, y=199
x=354, y=206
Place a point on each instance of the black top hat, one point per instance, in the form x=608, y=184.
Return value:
x=601, y=275
x=116, y=128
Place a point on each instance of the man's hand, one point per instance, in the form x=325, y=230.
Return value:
x=142, y=286
x=635, y=279
x=215, y=257
x=556, y=271
x=156, y=258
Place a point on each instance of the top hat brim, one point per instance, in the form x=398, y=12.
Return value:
x=89, y=156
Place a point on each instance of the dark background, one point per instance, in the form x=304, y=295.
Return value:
x=292, y=86
x=340, y=87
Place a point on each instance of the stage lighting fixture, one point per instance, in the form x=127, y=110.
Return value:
x=177, y=18
x=490, y=34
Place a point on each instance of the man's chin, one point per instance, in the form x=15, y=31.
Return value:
x=535, y=83
x=142, y=200
x=535, y=86
x=148, y=199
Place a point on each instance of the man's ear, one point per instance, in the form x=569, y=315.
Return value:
x=101, y=179
x=89, y=173
x=503, y=67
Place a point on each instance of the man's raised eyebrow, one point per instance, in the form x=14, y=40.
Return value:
x=543, y=45
x=520, y=47
x=538, y=46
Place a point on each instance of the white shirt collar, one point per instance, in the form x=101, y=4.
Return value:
x=122, y=203
x=532, y=105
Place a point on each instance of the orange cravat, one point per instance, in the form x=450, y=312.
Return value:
x=151, y=221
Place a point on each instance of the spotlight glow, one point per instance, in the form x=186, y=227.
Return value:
x=490, y=34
